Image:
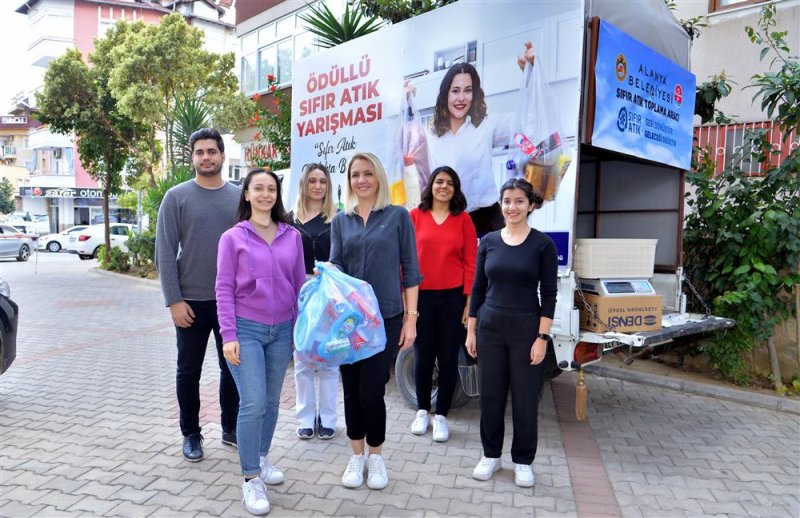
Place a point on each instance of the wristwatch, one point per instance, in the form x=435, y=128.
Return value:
x=412, y=313
x=544, y=336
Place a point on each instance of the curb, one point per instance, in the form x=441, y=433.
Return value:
x=131, y=278
x=777, y=403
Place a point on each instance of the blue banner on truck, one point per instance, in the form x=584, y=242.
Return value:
x=644, y=103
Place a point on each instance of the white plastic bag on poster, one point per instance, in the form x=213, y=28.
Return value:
x=409, y=160
x=539, y=153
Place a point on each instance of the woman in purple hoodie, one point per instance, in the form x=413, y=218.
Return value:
x=260, y=271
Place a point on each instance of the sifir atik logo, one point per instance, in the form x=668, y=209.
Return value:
x=677, y=95
x=622, y=119
x=621, y=67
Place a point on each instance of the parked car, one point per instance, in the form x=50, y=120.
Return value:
x=55, y=242
x=14, y=243
x=88, y=241
x=37, y=224
x=9, y=316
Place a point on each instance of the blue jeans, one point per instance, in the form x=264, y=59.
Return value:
x=264, y=354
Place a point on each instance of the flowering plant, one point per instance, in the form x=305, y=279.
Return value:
x=273, y=129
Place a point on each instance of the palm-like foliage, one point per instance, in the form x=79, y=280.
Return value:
x=331, y=31
x=188, y=115
x=153, y=196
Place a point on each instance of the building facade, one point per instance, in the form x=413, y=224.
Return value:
x=56, y=182
x=724, y=46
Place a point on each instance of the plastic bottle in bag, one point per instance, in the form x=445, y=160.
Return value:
x=542, y=158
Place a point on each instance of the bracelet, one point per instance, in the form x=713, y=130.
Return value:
x=412, y=313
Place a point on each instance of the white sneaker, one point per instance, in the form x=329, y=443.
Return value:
x=254, y=496
x=269, y=473
x=354, y=473
x=523, y=475
x=486, y=468
x=440, y=431
x=378, y=478
x=420, y=424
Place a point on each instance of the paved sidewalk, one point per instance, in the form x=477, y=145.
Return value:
x=88, y=427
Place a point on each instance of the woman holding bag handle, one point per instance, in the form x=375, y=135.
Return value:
x=373, y=240
x=462, y=135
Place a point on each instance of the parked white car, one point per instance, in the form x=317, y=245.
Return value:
x=56, y=242
x=36, y=224
x=87, y=242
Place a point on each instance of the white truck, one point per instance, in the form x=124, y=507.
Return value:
x=624, y=102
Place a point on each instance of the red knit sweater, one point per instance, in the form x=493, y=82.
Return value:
x=446, y=252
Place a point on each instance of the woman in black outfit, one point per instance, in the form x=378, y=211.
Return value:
x=509, y=326
x=312, y=218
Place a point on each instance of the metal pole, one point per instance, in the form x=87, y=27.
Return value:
x=139, y=212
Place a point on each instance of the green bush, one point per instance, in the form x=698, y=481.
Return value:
x=742, y=236
x=142, y=248
x=116, y=261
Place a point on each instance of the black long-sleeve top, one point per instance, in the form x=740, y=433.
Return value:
x=316, y=236
x=514, y=277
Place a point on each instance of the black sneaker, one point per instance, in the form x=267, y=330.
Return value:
x=193, y=447
x=305, y=433
x=326, y=433
x=229, y=438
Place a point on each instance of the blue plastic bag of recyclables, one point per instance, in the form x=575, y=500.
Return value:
x=339, y=321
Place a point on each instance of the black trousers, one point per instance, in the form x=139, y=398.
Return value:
x=439, y=336
x=504, y=340
x=364, y=385
x=192, y=343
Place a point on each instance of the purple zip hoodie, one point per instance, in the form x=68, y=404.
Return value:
x=257, y=281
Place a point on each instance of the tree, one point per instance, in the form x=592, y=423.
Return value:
x=6, y=196
x=76, y=99
x=274, y=128
x=742, y=237
x=331, y=31
x=155, y=66
x=399, y=10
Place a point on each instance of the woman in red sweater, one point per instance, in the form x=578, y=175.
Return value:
x=446, y=246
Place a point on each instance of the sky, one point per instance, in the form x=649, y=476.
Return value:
x=14, y=42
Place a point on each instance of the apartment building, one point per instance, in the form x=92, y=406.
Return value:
x=56, y=182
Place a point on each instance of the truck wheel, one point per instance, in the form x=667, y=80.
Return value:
x=404, y=374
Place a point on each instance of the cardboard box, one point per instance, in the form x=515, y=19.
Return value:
x=627, y=313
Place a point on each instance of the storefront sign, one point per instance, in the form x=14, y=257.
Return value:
x=61, y=192
x=644, y=102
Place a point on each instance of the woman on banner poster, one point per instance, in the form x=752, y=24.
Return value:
x=462, y=134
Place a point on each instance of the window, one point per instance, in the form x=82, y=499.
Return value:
x=285, y=52
x=273, y=48
x=235, y=172
x=267, y=64
x=722, y=5
x=304, y=45
x=739, y=148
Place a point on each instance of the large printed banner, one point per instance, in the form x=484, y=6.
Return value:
x=644, y=102
x=420, y=97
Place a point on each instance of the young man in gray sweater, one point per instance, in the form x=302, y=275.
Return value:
x=192, y=217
